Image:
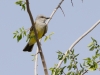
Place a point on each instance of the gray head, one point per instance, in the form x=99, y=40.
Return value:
x=42, y=18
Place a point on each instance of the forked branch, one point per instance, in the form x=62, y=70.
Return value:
x=59, y=6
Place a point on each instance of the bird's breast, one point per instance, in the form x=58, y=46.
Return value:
x=40, y=28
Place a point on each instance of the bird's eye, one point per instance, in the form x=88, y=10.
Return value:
x=42, y=17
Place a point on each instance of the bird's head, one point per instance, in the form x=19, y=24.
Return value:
x=42, y=18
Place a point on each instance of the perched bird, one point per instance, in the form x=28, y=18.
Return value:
x=41, y=28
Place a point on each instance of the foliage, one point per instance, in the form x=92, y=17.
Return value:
x=48, y=37
x=21, y=3
x=57, y=71
x=19, y=34
x=72, y=65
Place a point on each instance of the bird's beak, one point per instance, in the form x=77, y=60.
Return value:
x=48, y=18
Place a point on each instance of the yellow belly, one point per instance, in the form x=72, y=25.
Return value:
x=33, y=39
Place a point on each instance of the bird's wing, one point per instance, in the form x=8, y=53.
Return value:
x=45, y=31
x=31, y=33
x=31, y=29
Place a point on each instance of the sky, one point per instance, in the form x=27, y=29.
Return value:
x=78, y=19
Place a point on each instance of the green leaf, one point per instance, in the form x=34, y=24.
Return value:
x=97, y=51
x=62, y=69
x=93, y=57
x=23, y=7
x=32, y=55
x=59, y=52
x=72, y=73
x=20, y=30
x=84, y=64
x=74, y=66
x=19, y=2
x=76, y=55
x=65, y=60
x=48, y=37
x=69, y=73
x=93, y=67
x=69, y=67
x=94, y=40
x=25, y=33
x=14, y=36
x=60, y=57
x=23, y=28
x=87, y=58
x=72, y=51
x=67, y=56
x=82, y=70
x=17, y=32
x=18, y=38
x=27, y=38
x=71, y=57
x=14, y=33
x=91, y=44
x=92, y=48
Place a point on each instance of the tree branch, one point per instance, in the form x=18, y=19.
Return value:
x=54, y=11
x=38, y=43
x=47, y=24
x=36, y=62
x=72, y=2
x=71, y=47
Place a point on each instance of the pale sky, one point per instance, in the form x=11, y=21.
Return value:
x=78, y=19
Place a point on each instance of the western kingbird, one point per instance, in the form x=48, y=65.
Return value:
x=41, y=28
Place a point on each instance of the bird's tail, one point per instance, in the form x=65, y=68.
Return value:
x=28, y=47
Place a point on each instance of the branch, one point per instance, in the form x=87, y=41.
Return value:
x=36, y=62
x=62, y=11
x=72, y=2
x=54, y=11
x=71, y=47
x=82, y=1
x=38, y=43
x=47, y=24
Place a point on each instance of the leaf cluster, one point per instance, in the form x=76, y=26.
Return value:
x=19, y=34
x=21, y=3
x=73, y=66
x=48, y=37
x=91, y=63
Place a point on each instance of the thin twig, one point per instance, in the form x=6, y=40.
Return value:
x=62, y=11
x=64, y=73
x=54, y=11
x=71, y=47
x=85, y=72
x=82, y=1
x=72, y=2
x=38, y=43
x=36, y=62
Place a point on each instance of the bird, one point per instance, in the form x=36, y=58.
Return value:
x=41, y=29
